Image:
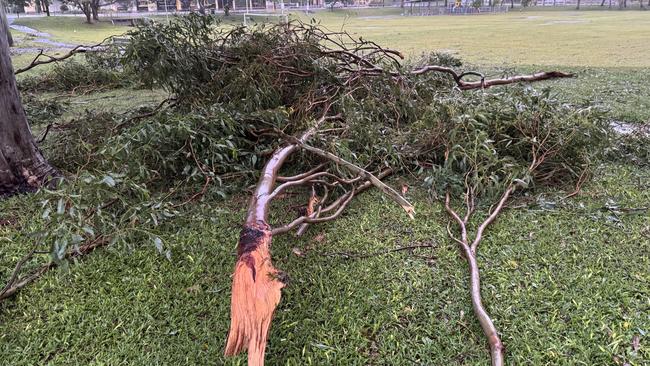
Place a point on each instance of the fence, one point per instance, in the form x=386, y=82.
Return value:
x=425, y=8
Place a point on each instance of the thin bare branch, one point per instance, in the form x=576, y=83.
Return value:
x=37, y=61
x=318, y=168
x=490, y=219
x=390, y=192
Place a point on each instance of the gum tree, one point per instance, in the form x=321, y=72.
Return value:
x=22, y=165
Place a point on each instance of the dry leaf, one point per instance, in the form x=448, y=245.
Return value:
x=319, y=238
x=193, y=289
x=298, y=252
x=405, y=189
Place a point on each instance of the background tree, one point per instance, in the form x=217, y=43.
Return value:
x=22, y=166
x=90, y=8
x=5, y=26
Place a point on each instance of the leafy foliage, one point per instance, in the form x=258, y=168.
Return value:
x=238, y=93
x=74, y=75
x=489, y=141
x=40, y=111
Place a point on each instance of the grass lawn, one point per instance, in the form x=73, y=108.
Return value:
x=607, y=50
x=73, y=30
x=566, y=281
x=566, y=285
x=568, y=38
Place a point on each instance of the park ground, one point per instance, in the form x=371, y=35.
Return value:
x=566, y=280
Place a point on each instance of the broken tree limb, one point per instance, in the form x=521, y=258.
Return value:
x=256, y=287
x=468, y=85
x=304, y=223
x=256, y=290
x=302, y=175
x=390, y=192
x=42, y=59
x=16, y=283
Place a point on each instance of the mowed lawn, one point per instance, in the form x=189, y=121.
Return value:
x=566, y=281
x=567, y=38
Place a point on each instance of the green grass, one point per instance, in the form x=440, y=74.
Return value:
x=566, y=286
x=606, y=49
x=568, y=38
x=73, y=30
x=571, y=38
x=566, y=282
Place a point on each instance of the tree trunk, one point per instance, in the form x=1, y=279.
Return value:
x=85, y=8
x=22, y=166
x=4, y=24
x=602, y=3
x=46, y=6
x=95, y=11
x=578, y=6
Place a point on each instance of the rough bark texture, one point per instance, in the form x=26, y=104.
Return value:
x=5, y=26
x=22, y=166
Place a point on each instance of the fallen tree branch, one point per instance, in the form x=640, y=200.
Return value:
x=484, y=84
x=15, y=284
x=256, y=285
x=490, y=331
x=152, y=113
x=390, y=192
x=306, y=220
x=14, y=275
x=37, y=61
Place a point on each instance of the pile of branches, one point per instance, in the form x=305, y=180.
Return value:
x=297, y=106
x=342, y=113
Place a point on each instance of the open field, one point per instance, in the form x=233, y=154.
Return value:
x=606, y=49
x=594, y=39
x=567, y=38
x=566, y=281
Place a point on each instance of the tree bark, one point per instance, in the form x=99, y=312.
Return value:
x=85, y=8
x=5, y=27
x=46, y=6
x=22, y=166
x=94, y=7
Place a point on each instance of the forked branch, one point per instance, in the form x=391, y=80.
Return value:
x=43, y=59
x=490, y=331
